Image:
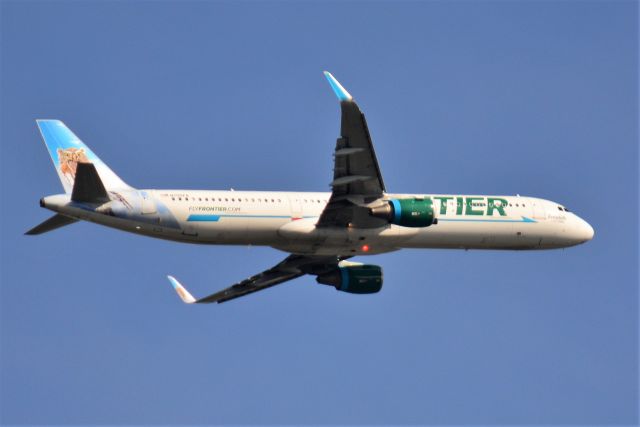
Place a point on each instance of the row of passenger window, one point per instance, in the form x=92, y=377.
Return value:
x=266, y=200
x=240, y=199
x=478, y=204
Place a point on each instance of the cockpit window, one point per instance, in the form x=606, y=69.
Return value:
x=566, y=210
x=559, y=208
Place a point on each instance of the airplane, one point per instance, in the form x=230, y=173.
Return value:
x=321, y=231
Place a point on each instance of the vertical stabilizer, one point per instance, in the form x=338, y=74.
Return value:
x=67, y=151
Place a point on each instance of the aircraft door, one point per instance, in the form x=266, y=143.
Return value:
x=148, y=204
x=538, y=210
x=296, y=207
x=189, y=230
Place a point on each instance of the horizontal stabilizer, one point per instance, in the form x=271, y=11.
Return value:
x=52, y=223
x=88, y=186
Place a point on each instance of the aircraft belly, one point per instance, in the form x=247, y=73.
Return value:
x=303, y=237
x=478, y=235
x=239, y=231
x=124, y=224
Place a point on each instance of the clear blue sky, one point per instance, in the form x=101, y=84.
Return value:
x=537, y=98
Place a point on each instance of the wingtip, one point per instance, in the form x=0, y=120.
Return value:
x=338, y=89
x=184, y=295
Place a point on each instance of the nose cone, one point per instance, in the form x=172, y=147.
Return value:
x=584, y=231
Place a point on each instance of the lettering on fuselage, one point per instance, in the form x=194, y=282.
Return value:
x=479, y=206
x=214, y=209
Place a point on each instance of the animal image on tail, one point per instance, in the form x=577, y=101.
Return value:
x=68, y=159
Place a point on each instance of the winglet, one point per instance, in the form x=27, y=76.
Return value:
x=184, y=295
x=340, y=91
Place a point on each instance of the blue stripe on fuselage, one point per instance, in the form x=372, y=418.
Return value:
x=524, y=219
x=203, y=218
x=214, y=218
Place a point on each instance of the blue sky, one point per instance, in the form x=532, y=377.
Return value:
x=532, y=98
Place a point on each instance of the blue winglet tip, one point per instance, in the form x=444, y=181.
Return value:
x=340, y=91
x=184, y=295
x=173, y=282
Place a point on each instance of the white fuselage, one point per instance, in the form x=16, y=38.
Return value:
x=286, y=221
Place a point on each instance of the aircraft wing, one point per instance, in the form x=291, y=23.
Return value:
x=357, y=180
x=293, y=266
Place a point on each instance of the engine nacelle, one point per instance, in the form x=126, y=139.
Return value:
x=355, y=279
x=407, y=212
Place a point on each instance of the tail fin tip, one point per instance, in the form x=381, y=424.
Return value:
x=67, y=151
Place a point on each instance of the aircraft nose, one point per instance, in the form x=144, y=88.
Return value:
x=585, y=230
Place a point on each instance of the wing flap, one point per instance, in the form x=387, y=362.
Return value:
x=254, y=284
x=350, y=179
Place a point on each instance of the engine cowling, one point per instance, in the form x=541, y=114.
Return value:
x=407, y=212
x=355, y=279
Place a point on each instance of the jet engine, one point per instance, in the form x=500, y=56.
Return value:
x=355, y=279
x=406, y=212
